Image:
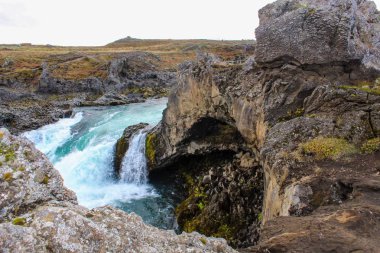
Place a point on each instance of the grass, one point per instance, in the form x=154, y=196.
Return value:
x=371, y=87
x=74, y=63
x=327, y=148
x=371, y=146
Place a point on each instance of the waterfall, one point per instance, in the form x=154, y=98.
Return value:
x=133, y=166
x=82, y=148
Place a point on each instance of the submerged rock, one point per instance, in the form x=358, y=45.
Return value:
x=122, y=145
x=38, y=214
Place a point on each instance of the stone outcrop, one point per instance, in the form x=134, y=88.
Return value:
x=122, y=144
x=129, y=71
x=299, y=112
x=319, y=32
x=27, y=178
x=38, y=214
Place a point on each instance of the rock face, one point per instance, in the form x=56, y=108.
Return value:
x=319, y=32
x=122, y=144
x=297, y=113
x=38, y=214
x=129, y=71
x=23, y=167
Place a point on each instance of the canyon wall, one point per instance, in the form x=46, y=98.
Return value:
x=298, y=117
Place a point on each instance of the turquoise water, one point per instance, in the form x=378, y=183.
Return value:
x=82, y=149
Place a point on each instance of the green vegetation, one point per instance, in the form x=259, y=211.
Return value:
x=7, y=176
x=371, y=146
x=203, y=240
x=305, y=6
x=327, y=148
x=150, y=149
x=19, y=221
x=224, y=231
x=293, y=114
x=8, y=152
x=260, y=217
x=193, y=216
x=201, y=205
x=45, y=180
x=1, y=135
x=365, y=86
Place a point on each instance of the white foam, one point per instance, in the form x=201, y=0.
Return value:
x=48, y=138
x=85, y=157
x=133, y=166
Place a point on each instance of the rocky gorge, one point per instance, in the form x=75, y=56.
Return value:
x=296, y=130
x=277, y=154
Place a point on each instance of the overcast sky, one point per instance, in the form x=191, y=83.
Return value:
x=98, y=22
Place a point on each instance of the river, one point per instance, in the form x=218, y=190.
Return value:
x=82, y=149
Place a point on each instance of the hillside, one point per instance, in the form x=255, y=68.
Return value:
x=23, y=62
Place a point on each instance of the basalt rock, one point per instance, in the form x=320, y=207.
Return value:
x=319, y=32
x=301, y=111
x=139, y=69
x=122, y=144
x=38, y=214
x=129, y=71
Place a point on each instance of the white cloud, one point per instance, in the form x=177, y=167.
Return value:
x=13, y=14
x=98, y=22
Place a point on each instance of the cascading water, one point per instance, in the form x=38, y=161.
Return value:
x=133, y=166
x=82, y=149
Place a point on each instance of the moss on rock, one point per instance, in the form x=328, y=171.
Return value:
x=45, y=180
x=8, y=176
x=19, y=221
x=371, y=146
x=150, y=151
x=327, y=148
x=8, y=152
x=365, y=86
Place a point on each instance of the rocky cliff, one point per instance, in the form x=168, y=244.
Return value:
x=296, y=129
x=38, y=214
